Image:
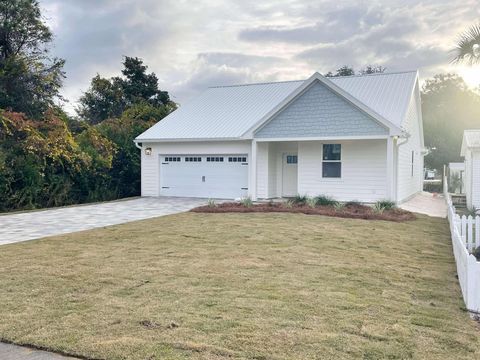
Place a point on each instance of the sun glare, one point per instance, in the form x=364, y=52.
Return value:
x=471, y=75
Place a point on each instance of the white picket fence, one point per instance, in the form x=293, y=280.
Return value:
x=465, y=238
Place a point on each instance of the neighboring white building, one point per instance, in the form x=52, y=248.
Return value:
x=471, y=153
x=353, y=138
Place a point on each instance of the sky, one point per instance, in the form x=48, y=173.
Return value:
x=192, y=45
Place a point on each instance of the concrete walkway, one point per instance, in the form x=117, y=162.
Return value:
x=37, y=224
x=428, y=204
x=15, y=352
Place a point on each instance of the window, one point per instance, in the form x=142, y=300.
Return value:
x=172, y=159
x=237, y=159
x=292, y=159
x=332, y=165
x=413, y=160
x=215, y=159
x=193, y=159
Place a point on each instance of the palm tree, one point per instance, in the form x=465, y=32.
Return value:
x=468, y=46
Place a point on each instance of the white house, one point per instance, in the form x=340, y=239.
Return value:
x=471, y=153
x=353, y=138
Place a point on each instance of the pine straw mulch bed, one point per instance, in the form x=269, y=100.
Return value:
x=356, y=211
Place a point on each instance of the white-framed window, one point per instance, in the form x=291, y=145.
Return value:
x=173, y=159
x=332, y=161
x=292, y=159
x=193, y=159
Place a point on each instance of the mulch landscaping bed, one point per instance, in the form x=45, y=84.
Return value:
x=349, y=211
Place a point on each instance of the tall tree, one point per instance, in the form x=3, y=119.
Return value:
x=109, y=98
x=468, y=46
x=372, y=69
x=29, y=79
x=448, y=108
x=345, y=70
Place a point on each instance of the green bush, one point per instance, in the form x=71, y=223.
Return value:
x=476, y=253
x=300, y=200
x=324, y=200
x=386, y=204
x=247, y=202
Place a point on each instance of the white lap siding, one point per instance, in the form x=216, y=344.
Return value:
x=409, y=184
x=150, y=167
x=364, y=171
x=476, y=180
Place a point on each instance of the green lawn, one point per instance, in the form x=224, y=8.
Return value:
x=242, y=286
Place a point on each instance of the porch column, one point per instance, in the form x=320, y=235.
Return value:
x=391, y=191
x=252, y=186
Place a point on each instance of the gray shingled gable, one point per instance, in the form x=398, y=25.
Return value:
x=319, y=111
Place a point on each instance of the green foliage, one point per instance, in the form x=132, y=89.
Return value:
x=247, y=202
x=300, y=200
x=468, y=46
x=135, y=95
x=448, y=107
x=29, y=79
x=324, y=200
x=311, y=202
x=382, y=205
x=476, y=253
x=378, y=209
x=211, y=203
x=339, y=206
x=348, y=71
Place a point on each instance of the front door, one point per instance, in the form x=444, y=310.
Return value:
x=289, y=175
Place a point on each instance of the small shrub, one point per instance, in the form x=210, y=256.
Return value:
x=476, y=253
x=339, y=206
x=378, y=208
x=311, y=202
x=472, y=212
x=211, y=203
x=386, y=204
x=247, y=202
x=289, y=203
x=324, y=200
x=300, y=200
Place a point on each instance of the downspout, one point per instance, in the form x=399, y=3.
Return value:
x=136, y=144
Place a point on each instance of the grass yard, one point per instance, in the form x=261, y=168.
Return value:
x=241, y=286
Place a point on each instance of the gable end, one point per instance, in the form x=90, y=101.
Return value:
x=318, y=111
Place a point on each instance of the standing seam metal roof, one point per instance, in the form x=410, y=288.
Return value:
x=227, y=112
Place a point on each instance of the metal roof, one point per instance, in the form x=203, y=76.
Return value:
x=471, y=139
x=227, y=112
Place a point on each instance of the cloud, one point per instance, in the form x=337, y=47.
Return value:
x=193, y=45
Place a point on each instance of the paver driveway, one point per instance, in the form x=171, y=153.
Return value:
x=37, y=224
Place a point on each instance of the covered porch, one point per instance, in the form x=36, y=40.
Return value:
x=345, y=169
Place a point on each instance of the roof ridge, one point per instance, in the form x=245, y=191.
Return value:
x=302, y=80
x=374, y=74
x=259, y=83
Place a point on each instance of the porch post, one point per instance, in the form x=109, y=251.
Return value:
x=252, y=187
x=391, y=191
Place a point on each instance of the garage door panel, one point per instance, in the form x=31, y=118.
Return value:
x=202, y=178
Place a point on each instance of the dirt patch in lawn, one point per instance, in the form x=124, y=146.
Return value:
x=356, y=211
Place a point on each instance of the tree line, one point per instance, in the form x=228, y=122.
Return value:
x=50, y=158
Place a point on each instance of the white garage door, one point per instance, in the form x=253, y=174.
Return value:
x=207, y=176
